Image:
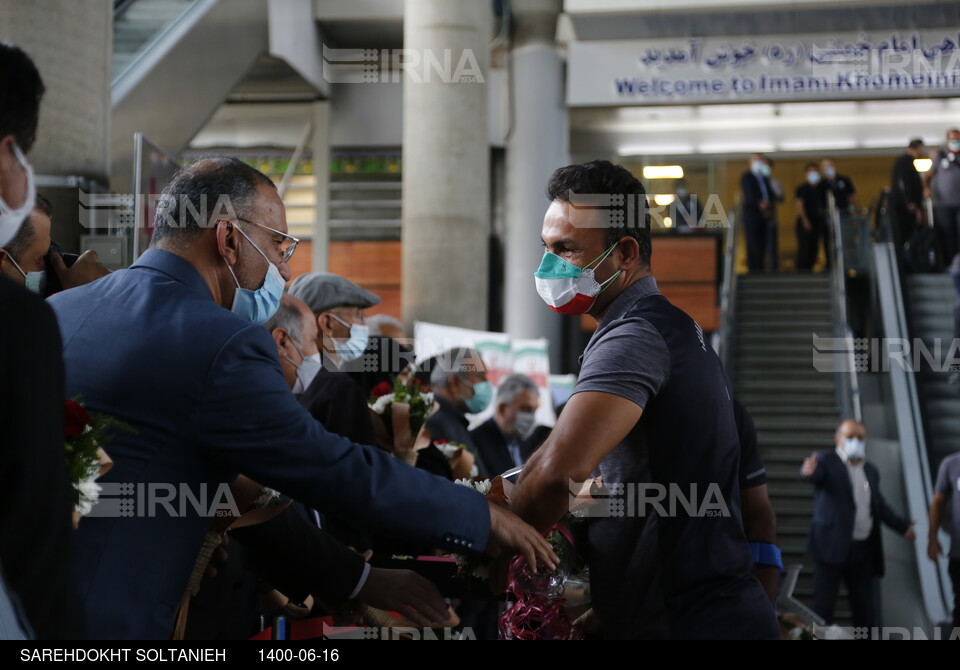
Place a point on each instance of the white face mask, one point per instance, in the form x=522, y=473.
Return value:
x=854, y=448
x=11, y=218
x=307, y=370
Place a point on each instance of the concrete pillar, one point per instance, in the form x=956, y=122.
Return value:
x=71, y=44
x=536, y=146
x=446, y=162
x=320, y=242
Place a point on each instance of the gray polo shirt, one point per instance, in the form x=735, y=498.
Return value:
x=946, y=178
x=948, y=485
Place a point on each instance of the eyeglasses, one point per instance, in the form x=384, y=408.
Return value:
x=287, y=246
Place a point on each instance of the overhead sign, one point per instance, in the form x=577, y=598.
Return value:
x=846, y=66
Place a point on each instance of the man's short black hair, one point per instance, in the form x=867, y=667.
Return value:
x=603, y=177
x=20, y=91
x=18, y=246
x=811, y=165
x=203, y=192
x=915, y=143
x=27, y=232
x=44, y=205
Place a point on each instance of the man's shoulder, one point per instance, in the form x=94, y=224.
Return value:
x=333, y=383
x=951, y=463
x=18, y=302
x=25, y=315
x=828, y=456
x=488, y=427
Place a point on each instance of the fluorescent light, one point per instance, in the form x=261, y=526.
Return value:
x=736, y=148
x=922, y=164
x=663, y=172
x=663, y=199
x=664, y=149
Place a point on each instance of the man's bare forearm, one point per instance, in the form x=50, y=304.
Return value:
x=542, y=496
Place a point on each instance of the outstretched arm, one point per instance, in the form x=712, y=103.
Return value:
x=572, y=452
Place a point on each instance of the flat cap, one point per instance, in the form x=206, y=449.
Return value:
x=324, y=290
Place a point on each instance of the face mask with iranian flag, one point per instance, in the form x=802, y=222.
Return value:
x=569, y=289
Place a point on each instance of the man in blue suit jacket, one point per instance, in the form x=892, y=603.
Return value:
x=173, y=347
x=845, y=533
x=757, y=209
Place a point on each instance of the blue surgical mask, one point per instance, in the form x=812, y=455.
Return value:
x=813, y=178
x=354, y=347
x=954, y=145
x=829, y=172
x=259, y=305
x=33, y=281
x=482, y=395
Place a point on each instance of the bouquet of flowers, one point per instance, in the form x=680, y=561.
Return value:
x=462, y=460
x=403, y=409
x=85, y=435
x=545, y=605
x=541, y=605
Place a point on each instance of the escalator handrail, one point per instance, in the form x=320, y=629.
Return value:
x=848, y=384
x=156, y=47
x=918, y=483
x=728, y=298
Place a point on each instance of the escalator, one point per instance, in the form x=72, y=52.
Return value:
x=174, y=63
x=929, y=307
x=916, y=314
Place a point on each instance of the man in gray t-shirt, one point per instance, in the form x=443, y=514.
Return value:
x=667, y=553
x=948, y=493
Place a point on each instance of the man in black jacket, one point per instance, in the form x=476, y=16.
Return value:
x=35, y=509
x=906, y=191
x=845, y=533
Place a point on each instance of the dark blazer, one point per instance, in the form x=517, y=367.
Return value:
x=35, y=503
x=336, y=400
x=753, y=196
x=492, y=447
x=831, y=531
x=205, y=393
x=906, y=186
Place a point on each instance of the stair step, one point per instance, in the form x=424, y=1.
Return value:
x=757, y=402
x=744, y=385
x=794, y=424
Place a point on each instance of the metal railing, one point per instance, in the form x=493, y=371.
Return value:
x=848, y=387
x=153, y=49
x=726, y=344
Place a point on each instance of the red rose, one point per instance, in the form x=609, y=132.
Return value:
x=414, y=383
x=382, y=389
x=75, y=419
